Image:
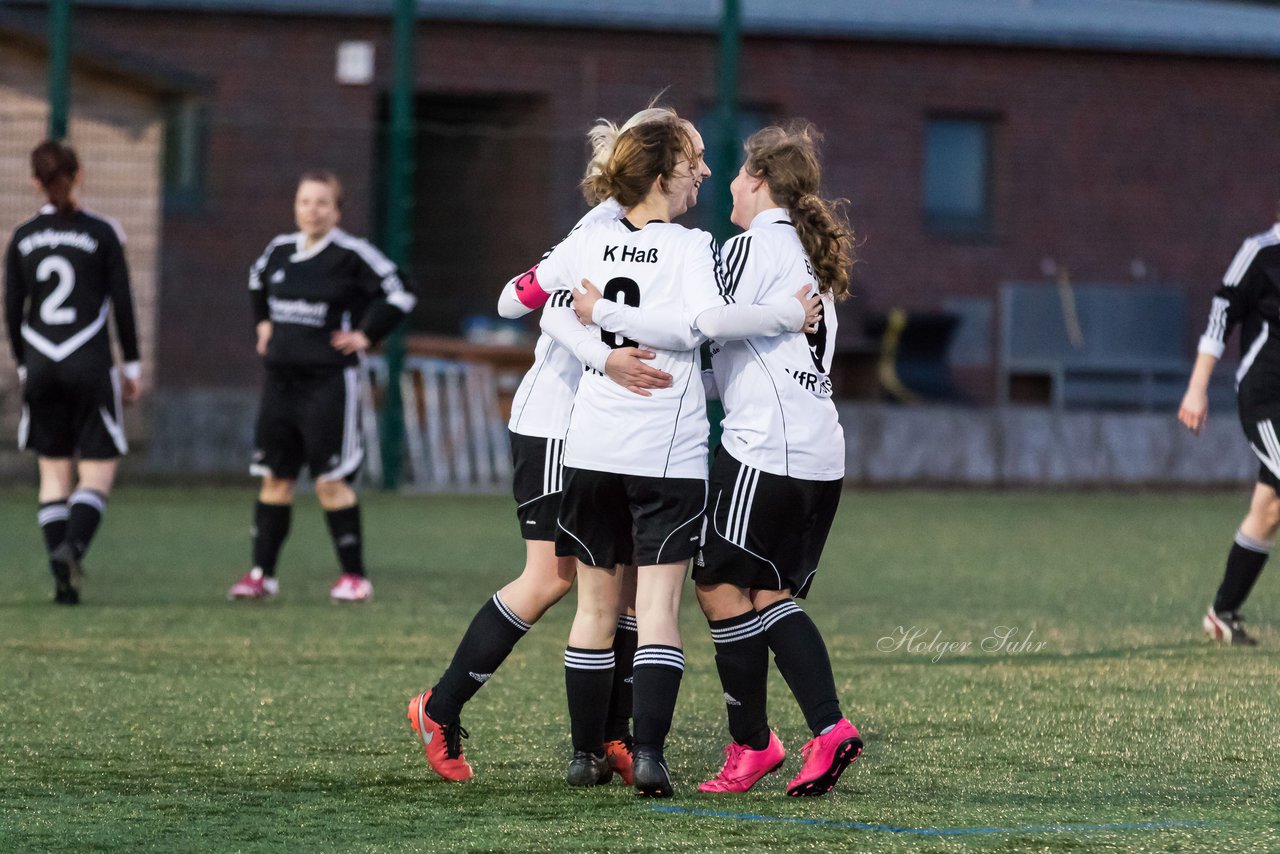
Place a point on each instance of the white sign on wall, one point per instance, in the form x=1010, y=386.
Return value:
x=355, y=63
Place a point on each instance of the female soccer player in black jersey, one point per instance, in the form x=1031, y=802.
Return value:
x=65, y=272
x=321, y=298
x=1249, y=297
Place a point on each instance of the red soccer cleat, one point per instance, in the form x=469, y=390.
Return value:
x=825, y=758
x=441, y=744
x=743, y=767
x=619, y=755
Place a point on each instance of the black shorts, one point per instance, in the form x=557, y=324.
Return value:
x=72, y=408
x=309, y=416
x=764, y=531
x=537, y=463
x=1262, y=429
x=608, y=519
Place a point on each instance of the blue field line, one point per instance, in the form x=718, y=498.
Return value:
x=942, y=831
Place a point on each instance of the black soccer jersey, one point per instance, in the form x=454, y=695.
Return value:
x=63, y=276
x=340, y=283
x=1250, y=297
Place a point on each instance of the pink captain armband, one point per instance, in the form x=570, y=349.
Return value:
x=529, y=292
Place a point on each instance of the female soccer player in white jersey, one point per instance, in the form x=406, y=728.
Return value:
x=65, y=272
x=539, y=420
x=635, y=467
x=775, y=482
x=320, y=297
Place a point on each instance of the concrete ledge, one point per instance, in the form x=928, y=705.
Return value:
x=210, y=432
x=1019, y=446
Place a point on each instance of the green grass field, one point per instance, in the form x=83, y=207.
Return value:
x=158, y=716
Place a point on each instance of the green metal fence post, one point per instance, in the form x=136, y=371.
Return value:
x=59, y=64
x=399, y=196
x=725, y=155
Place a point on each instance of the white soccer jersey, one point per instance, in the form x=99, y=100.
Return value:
x=776, y=390
x=668, y=269
x=544, y=399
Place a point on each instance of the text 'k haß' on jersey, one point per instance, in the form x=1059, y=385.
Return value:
x=341, y=282
x=1250, y=297
x=542, y=403
x=64, y=275
x=665, y=268
x=776, y=390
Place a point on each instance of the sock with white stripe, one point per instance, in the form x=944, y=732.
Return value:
x=344, y=528
x=656, y=683
x=270, y=529
x=801, y=656
x=588, y=680
x=53, y=524
x=493, y=633
x=742, y=660
x=620, y=701
x=86, y=509
x=1245, y=563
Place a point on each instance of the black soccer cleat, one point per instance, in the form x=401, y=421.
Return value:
x=1227, y=627
x=649, y=773
x=66, y=578
x=589, y=769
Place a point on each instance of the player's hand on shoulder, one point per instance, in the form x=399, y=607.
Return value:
x=352, y=341
x=264, y=336
x=1194, y=411
x=626, y=367
x=585, y=297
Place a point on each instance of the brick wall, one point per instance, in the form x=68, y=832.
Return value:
x=1100, y=159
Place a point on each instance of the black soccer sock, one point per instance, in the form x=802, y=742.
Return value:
x=53, y=517
x=493, y=633
x=344, y=527
x=588, y=679
x=86, y=507
x=270, y=528
x=1245, y=562
x=801, y=656
x=742, y=660
x=624, y=652
x=656, y=684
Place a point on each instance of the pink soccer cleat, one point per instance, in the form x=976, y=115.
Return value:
x=825, y=758
x=743, y=767
x=351, y=588
x=254, y=585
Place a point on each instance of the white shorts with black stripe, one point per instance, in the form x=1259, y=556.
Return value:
x=538, y=465
x=764, y=531
x=309, y=416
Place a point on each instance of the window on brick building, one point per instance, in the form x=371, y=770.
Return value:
x=957, y=174
x=185, y=142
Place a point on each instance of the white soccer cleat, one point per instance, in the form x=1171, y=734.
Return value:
x=351, y=588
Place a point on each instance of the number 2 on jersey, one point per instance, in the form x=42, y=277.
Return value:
x=629, y=290
x=52, y=310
